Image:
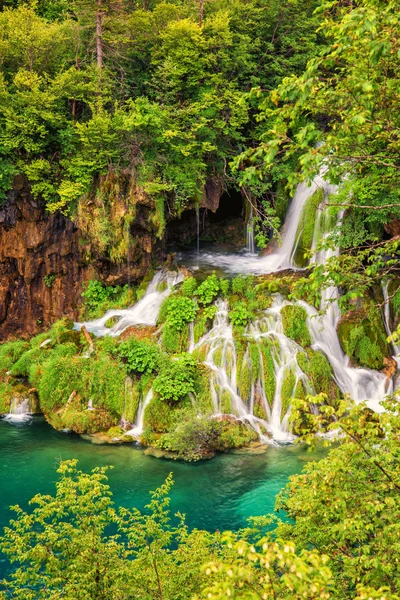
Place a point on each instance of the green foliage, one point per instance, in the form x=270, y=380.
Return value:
x=142, y=356
x=180, y=311
x=294, y=320
x=208, y=291
x=99, y=297
x=316, y=366
x=287, y=390
x=188, y=287
x=176, y=378
x=194, y=438
x=305, y=232
x=346, y=505
x=240, y=315
x=49, y=280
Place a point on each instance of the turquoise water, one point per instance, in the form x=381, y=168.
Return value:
x=216, y=494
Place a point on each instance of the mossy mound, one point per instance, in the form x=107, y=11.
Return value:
x=305, y=232
x=294, y=321
x=362, y=336
x=319, y=371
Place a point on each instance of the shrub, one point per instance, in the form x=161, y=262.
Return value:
x=240, y=315
x=99, y=297
x=294, y=320
x=180, y=311
x=208, y=291
x=142, y=356
x=189, y=287
x=194, y=438
x=176, y=379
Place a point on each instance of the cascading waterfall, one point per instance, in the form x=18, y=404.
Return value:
x=20, y=410
x=283, y=257
x=144, y=312
x=253, y=379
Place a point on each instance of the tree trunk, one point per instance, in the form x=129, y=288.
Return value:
x=201, y=12
x=99, y=34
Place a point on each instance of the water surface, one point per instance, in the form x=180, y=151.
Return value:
x=217, y=494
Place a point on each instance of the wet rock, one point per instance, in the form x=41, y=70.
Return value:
x=44, y=262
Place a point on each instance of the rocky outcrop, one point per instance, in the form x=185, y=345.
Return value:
x=44, y=263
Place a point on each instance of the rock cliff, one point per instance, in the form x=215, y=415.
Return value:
x=44, y=262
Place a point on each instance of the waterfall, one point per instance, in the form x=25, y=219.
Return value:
x=137, y=430
x=20, y=410
x=144, y=312
x=386, y=318
x=282, y=257
x=250, y=245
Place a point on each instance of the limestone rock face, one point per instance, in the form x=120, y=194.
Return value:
x=44, y=262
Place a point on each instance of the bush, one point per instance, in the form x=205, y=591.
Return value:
x=194, y=438
x=189, y=287
x=176, y=379
x=208, y=291
x=240, y=315
x=142, y=356
x=180, y=311
x=99, y=297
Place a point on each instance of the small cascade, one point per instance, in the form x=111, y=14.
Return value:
x=144, y=312
x=250, y=245
x=221, y=360
x=386, y=319
x=361, y=384
x=20, y=410
x=137, y=430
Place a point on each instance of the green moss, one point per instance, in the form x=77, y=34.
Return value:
x=294, y=320
x=10, y=352
x=6, y=393
x=174, y=341
x=101, y=380
x=362, y=336
x=259, y=409
x=318, y=369
x=226, y=403
x=159, y=415
x=287, y=390
x=306, y=227
x=268, y=371
x=282, y=199
x=245, y=379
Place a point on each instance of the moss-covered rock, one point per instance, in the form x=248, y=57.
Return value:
x=319, y=371
x=362, y=336
x=287, y=390
x=268, y=370
x=305, y=232
x=294, y=321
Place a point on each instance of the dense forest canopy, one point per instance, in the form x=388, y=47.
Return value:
x=155, y=91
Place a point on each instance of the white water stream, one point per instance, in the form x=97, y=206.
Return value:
x=144, y=312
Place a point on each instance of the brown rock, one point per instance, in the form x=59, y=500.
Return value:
x=35, y=245
x=390, y=366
